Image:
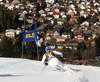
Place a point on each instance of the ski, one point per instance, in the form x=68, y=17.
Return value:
x=72, y=70
x=69, y=70
x=60, y=69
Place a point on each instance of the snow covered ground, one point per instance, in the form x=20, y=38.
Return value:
x=24, y=70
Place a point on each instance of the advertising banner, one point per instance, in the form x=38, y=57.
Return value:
x=30, y=36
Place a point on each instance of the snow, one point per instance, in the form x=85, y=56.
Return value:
x=24, y=70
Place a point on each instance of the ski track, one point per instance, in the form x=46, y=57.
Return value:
x=24, y=70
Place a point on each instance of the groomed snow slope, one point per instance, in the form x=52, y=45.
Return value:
x=24, y=70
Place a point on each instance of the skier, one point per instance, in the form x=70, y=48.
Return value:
x=50, y=59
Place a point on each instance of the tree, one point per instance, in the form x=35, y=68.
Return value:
x=0, y=29
x=41, y=51
x=8, y=19
x=55, y=22
x=43, y=5
x=77, y=55
x=62, y=30
x=16, y=21
x=38, y=6
x=66, y=24
x=97, y=45
x=0, y=50
x=5, y=18
x=81, y=19
x=30, y=50
x=32, y=0
x=1, y=17
x=82, y=46
x=6, y=47
x=18, y=46
x=89, y=54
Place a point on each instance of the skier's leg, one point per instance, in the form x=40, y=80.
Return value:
x=57, y=64
x=54, y=62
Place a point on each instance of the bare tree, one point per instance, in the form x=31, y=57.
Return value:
x=89, y=54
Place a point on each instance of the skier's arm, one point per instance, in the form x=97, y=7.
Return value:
x=58, y=53
x=43, y=59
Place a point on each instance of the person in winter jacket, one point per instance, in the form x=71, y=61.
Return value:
x=50, y=59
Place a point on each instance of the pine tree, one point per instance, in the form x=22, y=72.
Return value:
x=82, y=46
x=30, y=50
x=5, y=18
x=98, y=45
x=43, y=5
x=18, y=46
x=38, y=6
x=1, y=17
x=7, y=48
x=41, y=51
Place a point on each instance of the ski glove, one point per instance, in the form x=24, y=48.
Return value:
x=46, y=64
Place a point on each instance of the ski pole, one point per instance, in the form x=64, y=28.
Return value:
x=43, y=68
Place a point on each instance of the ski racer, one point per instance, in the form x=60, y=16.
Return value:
x=50, y=59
